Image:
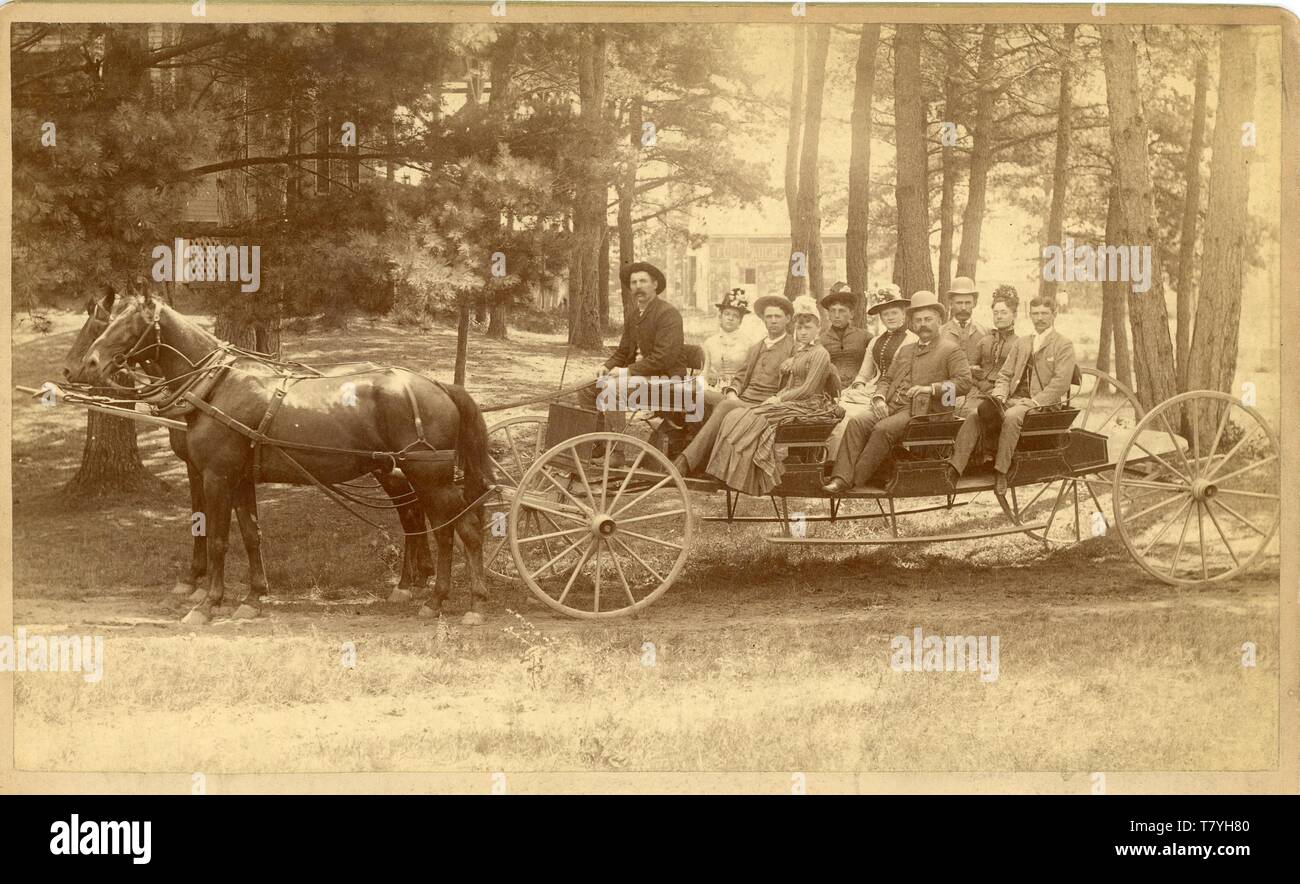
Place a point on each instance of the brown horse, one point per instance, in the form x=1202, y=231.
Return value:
x=417, y=563
x=324, y=433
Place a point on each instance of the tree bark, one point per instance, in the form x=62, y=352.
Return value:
x=1153, y=350
x=792, y=135
x=912, y=269
x=1113, y=333
x=462, y=343
x=1212, y=359
x=948, y=163
x=855, y=234
x=589, y=222
x=1185, y=295
x=627, y=198
x=1061, y=164
x=807, y=231
x=981, y=157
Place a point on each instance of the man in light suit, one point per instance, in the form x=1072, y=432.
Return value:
x=1037, y=373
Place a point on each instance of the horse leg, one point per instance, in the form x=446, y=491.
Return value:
x=217, y=497
x=246, y=512
x=444, y=539
x=469, y=528
x=416, y=560
x=193, y=587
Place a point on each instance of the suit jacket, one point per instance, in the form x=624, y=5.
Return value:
x=969, y=338
x=654, y=335
x=993, y=352
x=942, y=362
x=1050, y=374
x=784, y=348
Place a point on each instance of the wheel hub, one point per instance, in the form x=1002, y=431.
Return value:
x=1203, y=489
x=603, y=525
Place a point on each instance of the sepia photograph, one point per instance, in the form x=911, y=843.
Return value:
x=780, y=398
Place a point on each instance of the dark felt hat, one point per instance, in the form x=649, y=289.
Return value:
x=840, y=293
x=736, y=299
x=625, y=273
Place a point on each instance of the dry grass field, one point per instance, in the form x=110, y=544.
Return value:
x=759, y=658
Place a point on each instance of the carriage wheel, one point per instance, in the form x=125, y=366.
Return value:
x=1072, y=507
x=514, y=445
x=1207, y=507
x=622, y=526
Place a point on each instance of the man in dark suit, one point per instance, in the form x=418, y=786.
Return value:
x=925, y=377
x=651, y=345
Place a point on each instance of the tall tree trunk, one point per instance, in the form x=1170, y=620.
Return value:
x=855, y=234
x=1153, y=354
x=808, y=226
x=1061, y=164
x=1187, y=234
x=604, y=282
x=589, y=222
x=501, y=101
x=981, y=157
x=792, y=134
x=912, y=269
x=1212, y=359
x=948, y=161
x=627, y=198
x=462, y=343
x=110, y=458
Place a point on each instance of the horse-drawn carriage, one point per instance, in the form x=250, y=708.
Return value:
x=620, y=514
x=599, y=523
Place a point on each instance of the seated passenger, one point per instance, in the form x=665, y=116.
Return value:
x=758, y=379
x=982, y=415
x=891, y=307
x=725, y=352
x=744, y=455
x=1036, y=374
x=924, y=377
x=845, y=342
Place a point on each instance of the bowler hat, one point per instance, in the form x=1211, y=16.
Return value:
x=963, y=285
x=840, y=293
x=927, y=301
x=625, y=274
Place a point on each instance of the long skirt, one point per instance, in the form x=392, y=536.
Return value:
x=744, y=455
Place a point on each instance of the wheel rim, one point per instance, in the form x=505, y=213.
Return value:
x=1204, y=512
x=622, y=530
x=514, y=445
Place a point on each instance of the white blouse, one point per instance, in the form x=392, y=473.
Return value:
x=724, y=355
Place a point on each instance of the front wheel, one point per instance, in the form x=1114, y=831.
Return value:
x=618, y=512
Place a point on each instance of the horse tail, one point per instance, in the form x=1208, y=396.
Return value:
x=472, y=443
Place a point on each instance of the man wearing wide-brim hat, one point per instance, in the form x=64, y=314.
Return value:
x=846, y=343
x=925, y=377
x=962, y=297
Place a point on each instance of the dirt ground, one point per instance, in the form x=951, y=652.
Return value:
x=759, y=658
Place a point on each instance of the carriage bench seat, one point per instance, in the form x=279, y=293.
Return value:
x=919, y=463
x=1045, y=439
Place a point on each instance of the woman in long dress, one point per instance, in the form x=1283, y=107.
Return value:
x=744, y=456
x=724, y=352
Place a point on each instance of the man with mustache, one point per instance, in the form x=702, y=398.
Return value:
x=924, y=377
x=982, y=415
x=961, y=328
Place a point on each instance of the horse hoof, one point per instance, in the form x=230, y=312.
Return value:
x=246, y=612
x=400, y=595
x=428, y=612
x=195, y=617
x=471, y=618
x=197, y=596
x=182, y=588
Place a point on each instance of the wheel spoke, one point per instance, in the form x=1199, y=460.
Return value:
x=1200, y=536
x=570, y=548
x=582, y=472
x=519, y=462
x=1223, y=425
x=1215, y=521
x=1173, y=566
x=1186, y=506
x=649, y=539
x=501, y=468
x=618, y=567
x=1158, y=458
x=1239, y=517
x=1227, y=457
x=1156, y=506
x=643, y=495
x=1256, y=465
x=583, y=508
x=532, y=505
x=1258, y=494
x=1113, y=414
x=604, y=479
x=676, y=512
x=586, y=555
x=542, y=538
x=640, y=455
x=595, y=598
x=1162, y=486
x=641, y=561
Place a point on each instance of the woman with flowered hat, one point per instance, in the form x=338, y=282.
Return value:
x=725, y=352
x=744, y=455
